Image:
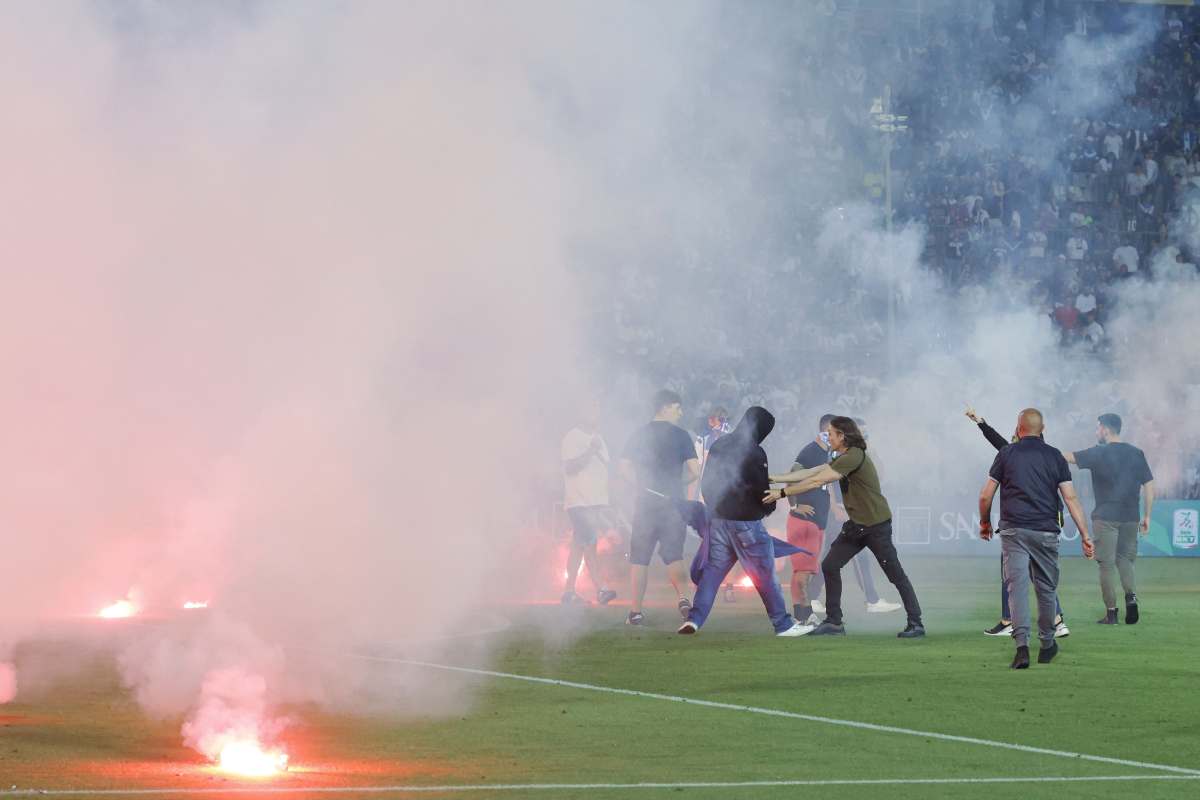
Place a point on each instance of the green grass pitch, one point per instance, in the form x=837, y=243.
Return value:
x=1129, y=692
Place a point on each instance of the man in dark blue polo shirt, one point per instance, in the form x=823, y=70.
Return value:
x=1031, y=475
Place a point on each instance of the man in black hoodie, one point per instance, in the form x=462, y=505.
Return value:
x=735, y=479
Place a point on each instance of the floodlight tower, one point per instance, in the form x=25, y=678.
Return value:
x=889, y=124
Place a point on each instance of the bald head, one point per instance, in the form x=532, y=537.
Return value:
x=1029, y=423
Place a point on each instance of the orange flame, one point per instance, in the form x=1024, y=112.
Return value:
x=246, y=757
x=745, y=582
x=118, y=610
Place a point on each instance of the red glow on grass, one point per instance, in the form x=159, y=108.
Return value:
x=247, y=758
x=118, y=610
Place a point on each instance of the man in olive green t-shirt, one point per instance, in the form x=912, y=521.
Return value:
x=869, y=526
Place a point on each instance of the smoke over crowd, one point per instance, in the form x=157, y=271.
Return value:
x=298, y=298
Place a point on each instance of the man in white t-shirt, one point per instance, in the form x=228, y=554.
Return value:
x=585, y=497
x=1126, y=255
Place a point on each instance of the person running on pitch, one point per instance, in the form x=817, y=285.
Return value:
x=1004, y=626
x=869, y=526
x=735, y=479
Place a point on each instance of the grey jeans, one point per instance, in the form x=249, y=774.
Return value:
x=1116, y=545
x=1031, y=555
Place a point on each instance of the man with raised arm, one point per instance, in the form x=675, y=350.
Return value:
x=1031, y=475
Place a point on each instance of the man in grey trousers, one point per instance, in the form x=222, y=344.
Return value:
x=1120, y=477
x=1031, y=475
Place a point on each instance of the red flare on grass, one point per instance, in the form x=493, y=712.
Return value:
x=118, y=610
x=247, y=758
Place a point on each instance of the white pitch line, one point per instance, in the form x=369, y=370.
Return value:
x=846, y=723
x=525, y=787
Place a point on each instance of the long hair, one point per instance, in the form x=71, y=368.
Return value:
x=849, y=429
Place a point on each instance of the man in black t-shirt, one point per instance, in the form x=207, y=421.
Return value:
x=660, y=460
x=1119, y=475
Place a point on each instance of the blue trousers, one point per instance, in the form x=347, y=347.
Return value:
x=1005, y=611
x=747, y=543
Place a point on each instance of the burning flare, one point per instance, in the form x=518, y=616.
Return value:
x=118, y=610
x=247, y=758
x=745, y=582
x=192, y=604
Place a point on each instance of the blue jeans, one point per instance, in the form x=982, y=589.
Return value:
x=731, y=542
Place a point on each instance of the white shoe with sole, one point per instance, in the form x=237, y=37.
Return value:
x=1061, y=631
x=688, y=627
x=882, y=606
x=797, y=629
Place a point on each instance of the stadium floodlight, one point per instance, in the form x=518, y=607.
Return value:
x=889, y=124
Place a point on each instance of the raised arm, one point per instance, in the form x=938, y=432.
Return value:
x=1067, y=490
x=991, y=434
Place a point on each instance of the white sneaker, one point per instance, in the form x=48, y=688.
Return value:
x=882, y=606
x=818, y=607
x=813, y=620
x=797, y=629
x=688, y=627
x=1061, y=631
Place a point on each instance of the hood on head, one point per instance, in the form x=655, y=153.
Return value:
x=756, y=424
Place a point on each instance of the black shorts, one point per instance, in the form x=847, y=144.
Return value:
x=658, y=524
x=587, y=522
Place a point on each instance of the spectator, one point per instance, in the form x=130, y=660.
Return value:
x=1126, y=256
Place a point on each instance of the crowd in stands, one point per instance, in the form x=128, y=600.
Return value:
x=1022, y=159
x=1085, y=202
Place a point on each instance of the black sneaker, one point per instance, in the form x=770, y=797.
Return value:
x=688, y=628
x=685, y=607
x=605, y=596
x=635, y=618
x=828, y=628
x=1131, y=609
x=1047, y=654
x=912, y=631
x=1021, y=659
x=1001, y=628
x=1110, y=617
